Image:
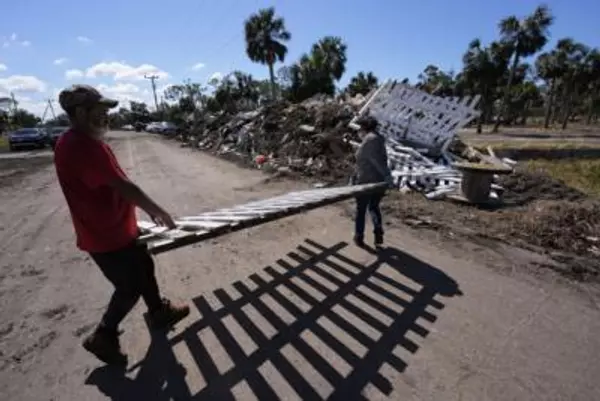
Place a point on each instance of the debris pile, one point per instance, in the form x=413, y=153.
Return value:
x=315, y=139
x=311, y=138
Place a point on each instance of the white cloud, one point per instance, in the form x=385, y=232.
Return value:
x=198, y=66
x=124, y=71
x=13, y=40
x=3, y=67
x=217, y=76
x=60, y=61
x=84, y=39
x=22, y=83
x=73, y=74
x=128, y=92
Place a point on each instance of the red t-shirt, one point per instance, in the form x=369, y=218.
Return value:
x=104, y=221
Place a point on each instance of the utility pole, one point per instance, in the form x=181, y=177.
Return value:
x=153, y=79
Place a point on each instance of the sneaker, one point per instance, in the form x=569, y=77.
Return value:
x=168, y=315
x=105, y=346
x=378, y=239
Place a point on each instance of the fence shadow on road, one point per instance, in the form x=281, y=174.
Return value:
x=317, y=324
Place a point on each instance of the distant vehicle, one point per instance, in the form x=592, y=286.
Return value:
x=167, y=129
x=127, y=127
x=153, y=127
x=139, y=126
x=54, y=133
x=27, y=138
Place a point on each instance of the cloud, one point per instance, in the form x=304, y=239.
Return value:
x=74, y=74
x=60, y=61
x=198, y=66
x=127, y=92
x=84, y=39
x=217, y=76
x=22, y=83
x=124, y=71
x=3, y=67
x=13, y=40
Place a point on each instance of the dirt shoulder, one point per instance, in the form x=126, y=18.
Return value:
x=288, y=310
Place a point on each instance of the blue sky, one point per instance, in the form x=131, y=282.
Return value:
x=47, y=45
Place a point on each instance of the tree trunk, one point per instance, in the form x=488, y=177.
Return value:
x=272, y=77
x=567, y=112
x=525, y=113
x=591, y=113
x=506, y=97
x=549, y=105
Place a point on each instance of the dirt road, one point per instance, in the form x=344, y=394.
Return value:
x=284, y=311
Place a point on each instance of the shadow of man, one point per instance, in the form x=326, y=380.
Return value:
x=161, y=377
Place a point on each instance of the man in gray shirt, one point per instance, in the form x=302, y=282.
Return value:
x=371, y=167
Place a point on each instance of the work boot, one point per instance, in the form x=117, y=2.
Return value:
x=359, y=241
x=104, y=344
x=168, y=315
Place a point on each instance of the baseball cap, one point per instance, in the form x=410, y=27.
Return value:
x=83, y=95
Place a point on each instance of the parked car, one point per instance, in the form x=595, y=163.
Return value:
x=153, y=127
x=54, y=133
x=139, y=126
x=27, y=138
x=167, y=129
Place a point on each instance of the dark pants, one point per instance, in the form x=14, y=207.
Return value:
x=131, y=272
x=371, y=203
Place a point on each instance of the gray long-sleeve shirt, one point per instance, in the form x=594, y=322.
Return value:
x=372, y=160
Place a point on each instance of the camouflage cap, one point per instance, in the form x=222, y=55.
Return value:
x=83, y=95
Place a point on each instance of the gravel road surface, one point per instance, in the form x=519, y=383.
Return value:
x=284, y=311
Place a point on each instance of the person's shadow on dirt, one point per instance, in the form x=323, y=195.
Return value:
x=161, y=377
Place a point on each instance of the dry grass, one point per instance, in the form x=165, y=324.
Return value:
x=3, y=143
x=580, y=174
x=567, y=144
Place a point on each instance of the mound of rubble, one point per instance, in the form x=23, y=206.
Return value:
x=311, y=138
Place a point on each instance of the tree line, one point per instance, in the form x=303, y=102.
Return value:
x=515, y=80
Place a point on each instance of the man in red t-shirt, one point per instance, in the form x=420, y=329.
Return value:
x=102, y=203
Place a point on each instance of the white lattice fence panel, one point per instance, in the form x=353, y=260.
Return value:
x=193, y=229
x=408, y=114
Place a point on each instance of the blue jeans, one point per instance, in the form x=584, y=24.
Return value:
x=371, y=203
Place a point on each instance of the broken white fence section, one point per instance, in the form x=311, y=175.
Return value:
x=409, y=116
x=193, y=229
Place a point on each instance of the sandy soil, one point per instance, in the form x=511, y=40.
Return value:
x=284, y=311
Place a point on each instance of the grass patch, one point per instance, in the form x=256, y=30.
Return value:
x=580, y=174
x=3, y=143
x=535, y=144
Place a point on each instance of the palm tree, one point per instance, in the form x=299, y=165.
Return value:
x=362, y=83
x=592, y=69
x=571, y=56
x=329, y=54
x=549, y=69
x=483, y=68
x=265, y=35
x=526, y=37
